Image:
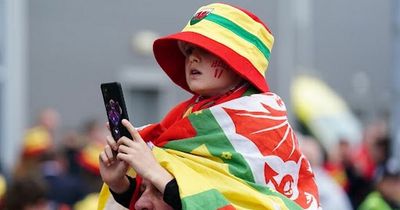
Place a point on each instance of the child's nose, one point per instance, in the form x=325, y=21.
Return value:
x=195, y=56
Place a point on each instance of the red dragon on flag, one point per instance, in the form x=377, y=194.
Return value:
x=258, y=127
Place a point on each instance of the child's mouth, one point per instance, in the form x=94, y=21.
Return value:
x=195, y=72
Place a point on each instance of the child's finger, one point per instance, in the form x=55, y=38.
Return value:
x=125, y=141
x=109, y=152
x=103, y=158
x=132, y=130
x=112, y=143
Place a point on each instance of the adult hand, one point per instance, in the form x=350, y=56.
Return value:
x=139, y=156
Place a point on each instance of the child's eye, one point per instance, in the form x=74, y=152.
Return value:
x=189, y=51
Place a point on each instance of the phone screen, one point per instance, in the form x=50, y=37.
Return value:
x=115, y=109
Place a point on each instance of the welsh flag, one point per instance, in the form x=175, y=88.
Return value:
x=241, y=154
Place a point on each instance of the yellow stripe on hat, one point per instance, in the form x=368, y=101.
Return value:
x=244, y=21
x=226, y=37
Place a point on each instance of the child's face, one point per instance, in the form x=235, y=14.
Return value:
x=206, y=74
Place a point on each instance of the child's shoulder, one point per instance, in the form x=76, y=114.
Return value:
x=177, y=111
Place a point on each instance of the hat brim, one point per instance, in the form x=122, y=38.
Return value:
x=172, y=60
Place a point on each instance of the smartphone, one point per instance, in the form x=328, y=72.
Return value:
x=115, y=109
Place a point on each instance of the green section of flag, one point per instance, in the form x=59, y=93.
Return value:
x=210, y=134
x=250, y=91
x=210, y=199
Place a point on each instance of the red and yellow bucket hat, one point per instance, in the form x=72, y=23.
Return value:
x=37, y=141
x=233, y=34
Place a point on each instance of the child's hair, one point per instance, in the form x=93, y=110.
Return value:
x=233, y=34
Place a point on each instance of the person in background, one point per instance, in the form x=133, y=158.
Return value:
x=37, y=142
x=360, y=169
x=85, y=157
x=27, y=193
x=88, y=156
x=386, y=195
x=42, y=161
x=64, y=189
x=3, y=187
x=327, y=186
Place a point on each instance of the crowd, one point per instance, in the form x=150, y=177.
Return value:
x=66, y=176
x=56, y=174
x=362, y=176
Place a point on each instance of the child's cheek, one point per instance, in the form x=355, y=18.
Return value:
x=219, y=66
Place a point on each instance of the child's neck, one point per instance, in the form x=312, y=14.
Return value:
x=234, y=88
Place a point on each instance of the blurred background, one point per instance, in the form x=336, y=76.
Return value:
x=54, y=54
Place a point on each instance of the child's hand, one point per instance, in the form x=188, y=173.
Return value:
x=139, y=156
x=113, y=171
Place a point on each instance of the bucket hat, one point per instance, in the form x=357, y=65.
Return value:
x=235, y=35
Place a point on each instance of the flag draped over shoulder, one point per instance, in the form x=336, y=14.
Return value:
x=241, y=154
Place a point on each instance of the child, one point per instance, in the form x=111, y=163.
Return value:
x=230, y=145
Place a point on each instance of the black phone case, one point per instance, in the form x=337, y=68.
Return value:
x=115, y=109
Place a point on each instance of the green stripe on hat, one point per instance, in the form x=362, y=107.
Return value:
x=236, y=29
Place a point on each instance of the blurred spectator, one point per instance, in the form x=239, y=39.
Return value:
x=374, y=149
x=387, y=189
x=88, y=157
x=64, y=189
x=94, y=138
x=362, y=167
x=71, y=145
x=40, y=160
x=3, y=185
x=332, y=195
x=353, y=166
x=37, y=142
x=27, y=194
x=336, y=160
x=82, y=152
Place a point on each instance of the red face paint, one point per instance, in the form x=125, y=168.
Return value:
x=218, y=72
x=219, y=63
x=219, y=66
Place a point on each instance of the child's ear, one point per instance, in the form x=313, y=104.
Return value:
x=182, y=46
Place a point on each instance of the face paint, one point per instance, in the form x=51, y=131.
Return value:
x=219, y=63
x=218, y=72
x=219, y=67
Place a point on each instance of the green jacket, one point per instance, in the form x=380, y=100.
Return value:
x=374, y=201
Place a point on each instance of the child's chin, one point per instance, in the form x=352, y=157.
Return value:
x=198, y=90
